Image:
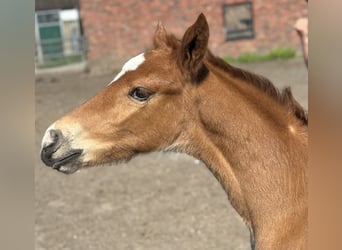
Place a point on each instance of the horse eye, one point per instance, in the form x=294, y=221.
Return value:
x=140, y=94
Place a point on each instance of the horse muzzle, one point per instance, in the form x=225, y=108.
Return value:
x=57, y=153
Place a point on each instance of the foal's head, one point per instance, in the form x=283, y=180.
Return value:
x=143, y=109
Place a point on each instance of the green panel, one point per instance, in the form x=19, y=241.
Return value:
x=50, y=32
x=51, y=39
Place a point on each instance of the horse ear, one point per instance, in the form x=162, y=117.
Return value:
x=193, y=48
x=160, y=37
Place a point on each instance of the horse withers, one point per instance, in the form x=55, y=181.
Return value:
x=180, y=97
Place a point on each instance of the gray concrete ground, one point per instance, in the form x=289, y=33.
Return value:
x=156, y=201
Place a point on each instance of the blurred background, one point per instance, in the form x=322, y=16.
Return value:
x=160, y=200
x=106, y=33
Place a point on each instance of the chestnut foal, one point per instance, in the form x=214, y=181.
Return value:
x=179, y=97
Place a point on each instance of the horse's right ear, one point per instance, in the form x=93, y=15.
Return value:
x=160, y=37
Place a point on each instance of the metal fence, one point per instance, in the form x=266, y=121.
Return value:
x=59, y=51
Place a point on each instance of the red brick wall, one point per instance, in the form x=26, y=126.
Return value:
x=119, y=29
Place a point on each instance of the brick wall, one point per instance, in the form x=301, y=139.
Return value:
x=119, y=29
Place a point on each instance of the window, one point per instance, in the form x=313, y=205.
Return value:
x=48, y=17
x=49, y=34
x=238, y=21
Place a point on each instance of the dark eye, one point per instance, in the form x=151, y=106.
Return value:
x=140, y=94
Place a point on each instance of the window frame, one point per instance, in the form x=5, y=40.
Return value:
x=238, y=36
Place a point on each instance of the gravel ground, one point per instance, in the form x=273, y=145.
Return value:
x=156, y=201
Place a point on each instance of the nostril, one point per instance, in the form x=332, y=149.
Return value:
x=55, y=138
x=54, y=134
x=51, y=143
x=51, y=138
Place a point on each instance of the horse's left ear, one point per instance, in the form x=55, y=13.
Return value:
x=160, y=37
x=193, y=49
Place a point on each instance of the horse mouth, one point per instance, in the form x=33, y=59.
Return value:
x=68, y=164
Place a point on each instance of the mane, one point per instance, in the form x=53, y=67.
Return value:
x=283, y=97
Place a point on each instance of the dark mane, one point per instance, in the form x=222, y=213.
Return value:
x=284, y=97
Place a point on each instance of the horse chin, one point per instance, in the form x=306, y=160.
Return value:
x=68, y=168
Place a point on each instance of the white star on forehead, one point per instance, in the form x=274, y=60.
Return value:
x=130, y=65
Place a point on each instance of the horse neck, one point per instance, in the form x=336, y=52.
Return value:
x=248, y=146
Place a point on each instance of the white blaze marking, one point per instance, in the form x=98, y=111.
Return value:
x=47, y=138
x=130, y=65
